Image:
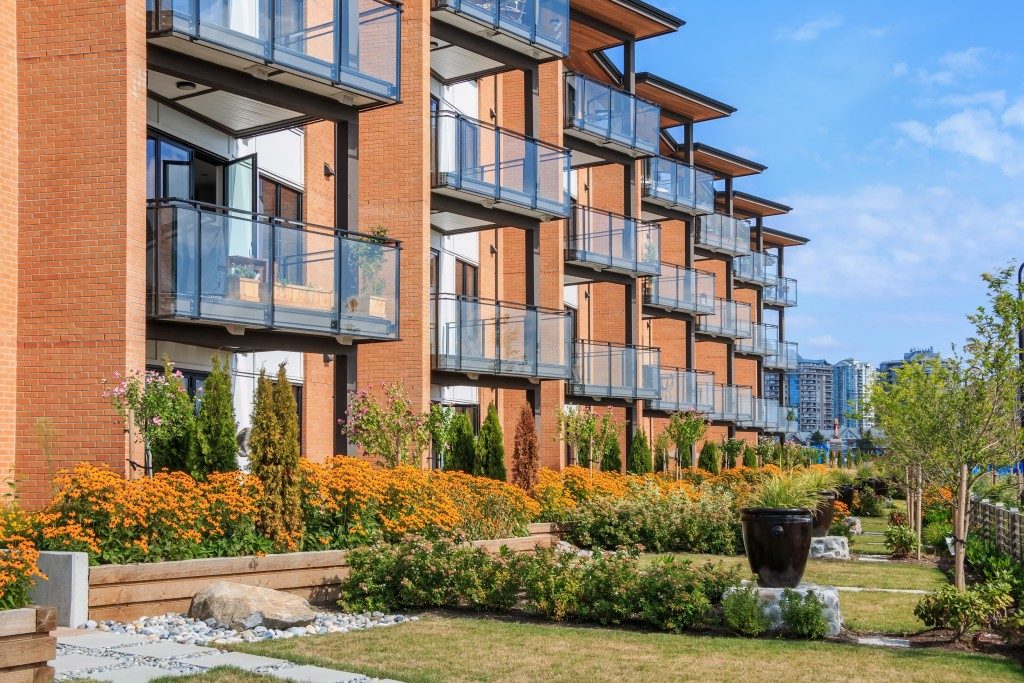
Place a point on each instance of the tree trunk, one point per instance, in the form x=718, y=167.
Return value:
x=910, y=500
x=960, y=530
x=917, y=513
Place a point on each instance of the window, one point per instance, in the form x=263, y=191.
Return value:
x=281, y=201
x=466, y=279
x=434, y=259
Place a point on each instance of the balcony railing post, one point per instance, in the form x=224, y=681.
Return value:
x=271, y=276
x=497, y=163
x=197, y=301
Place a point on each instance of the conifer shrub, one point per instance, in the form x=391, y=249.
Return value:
x=611, y=460
x=526, y=454
x=639, y=459
x=709, y=459
x=462, y=457
x=217, y=444
x=492, y=446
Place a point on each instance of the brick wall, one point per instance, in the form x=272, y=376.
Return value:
x=8, y=235
x=82, y=235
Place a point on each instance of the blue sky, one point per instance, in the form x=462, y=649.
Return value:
x=895, y=130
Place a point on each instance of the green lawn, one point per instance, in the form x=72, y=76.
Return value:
x=445, y=648
x=222, y=674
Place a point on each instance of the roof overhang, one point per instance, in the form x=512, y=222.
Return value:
x=778, y=238
x=746, y=205
x=678, y=104
x=601, y=24
x=724, y=164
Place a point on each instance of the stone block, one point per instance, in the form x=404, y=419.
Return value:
x=101, y=641
x=132, y=674
x=66, y=663
x=239, y=660
x=165, y=650
x=771, y=600
x=65, y=587
x=854, y=525
x=830, y=548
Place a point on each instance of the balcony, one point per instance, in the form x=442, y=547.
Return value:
x=733, y=403
x=685, y=390
x=730, y=319
x=475, y=162
x=787, y=421
x=208, y=264
x=610, y=117
x=604, y=370
x=602, y=241
x=724, y=234
x=782, y=293
x=764, y=414
x=483, y=337
x=682, y=290
x=536, y=28
x=756, y=268
x=784, y=357
x=677, y=186
x=763, y=340
x=343, y=49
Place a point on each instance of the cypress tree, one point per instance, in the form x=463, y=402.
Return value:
x=749, y=457
x=218, y=445
x=462, y=457
x=264, y=463
x=526, y=454
x=639, y=459
x=708, y=459
x=289, y=455
x=611, y=460
x=492, y=446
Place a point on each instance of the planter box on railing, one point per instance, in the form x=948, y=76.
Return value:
x=26, y=644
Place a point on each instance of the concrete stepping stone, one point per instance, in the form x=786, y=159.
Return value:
x=316, y=674
x=883, y=641
x=872, y=558
x=165, y=650
x=76, y=662
x=101, y=641
x=239, y=660
x=134, y=674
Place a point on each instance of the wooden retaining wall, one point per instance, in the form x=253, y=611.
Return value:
x=26, y=645
x=129, y=591
x=1000, y=526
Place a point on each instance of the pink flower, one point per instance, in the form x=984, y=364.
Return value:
x=157, y=421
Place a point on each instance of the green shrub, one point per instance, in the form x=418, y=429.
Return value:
x=218, y=444
x=749, y=457
x=732, y=451
x=986, y=561
x=933, y=536
x=462, y=457
x=743, y=614
x=840, y=528
x=961, y=611
x=867, y=503
x=710, y=524
x=804, y=617
x=670, y=596
x=661, y=444
x=175, y=443
x=611, y=459
x=709, y=459
x=492, y=446
x=898, y=518
x=900, y=541
x=603, y=582
x=639, y=459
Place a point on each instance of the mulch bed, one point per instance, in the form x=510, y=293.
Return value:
x=984, y=642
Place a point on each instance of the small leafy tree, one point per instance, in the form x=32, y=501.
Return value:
x=817, y=438
x=492, y=446
x=441, y=425
x=577, y=427
x=731, y=450
x=218, y=443
x=766, y=450
x=462, y=457
x=661, y=445
x=526, y=454
x=639, y=459
x=389, y=429
x=684, y=430
x=611, y=460
x=709, y=459
x=174, y=442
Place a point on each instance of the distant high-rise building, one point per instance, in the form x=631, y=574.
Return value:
x=851, y=381
x=887, y=369
x=817, y=398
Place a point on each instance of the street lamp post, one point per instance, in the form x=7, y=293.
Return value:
x=1020, y=389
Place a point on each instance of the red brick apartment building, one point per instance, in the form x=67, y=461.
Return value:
x=191, y=175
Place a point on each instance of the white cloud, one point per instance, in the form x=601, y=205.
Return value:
x=975, y=133
x=994, y=99
x=810, y=30
x=823, y=341
x=965, y=61
x=1014, y=116
x=918, y=132
x=900, y=69
x=955, y=66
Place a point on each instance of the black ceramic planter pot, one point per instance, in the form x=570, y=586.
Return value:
x=823, y=514
x=879, y=486
x=777, y=544
x=846, y=495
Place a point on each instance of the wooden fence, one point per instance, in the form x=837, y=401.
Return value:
x=999, y=525
x=129, y=591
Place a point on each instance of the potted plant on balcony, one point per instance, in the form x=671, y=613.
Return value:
x=776, y=528
x=367, y=260
x=244, y=282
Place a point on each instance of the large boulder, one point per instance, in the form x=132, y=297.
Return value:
x=243, y=607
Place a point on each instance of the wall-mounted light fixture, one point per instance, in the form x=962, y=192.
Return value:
x=328, y=171
x=186, y=86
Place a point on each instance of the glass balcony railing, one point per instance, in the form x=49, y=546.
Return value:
x=678, y=186
x=724, y=234
x=729, y=319
x=784, y=356
x=733, y=403
x=788, y=420
x=539, y=24
x=685, y=390
x=605, y=370
x=475, y=161
x=483, y=337
x=609, y=116
x=764, y=414
x=782, y=293
x=681, y=289
x=756, y=268
x=763, y=340
x=351, y=44
x=212, y=264
x=608, y=241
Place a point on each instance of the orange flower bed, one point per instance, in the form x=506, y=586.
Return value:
x=18, y=558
